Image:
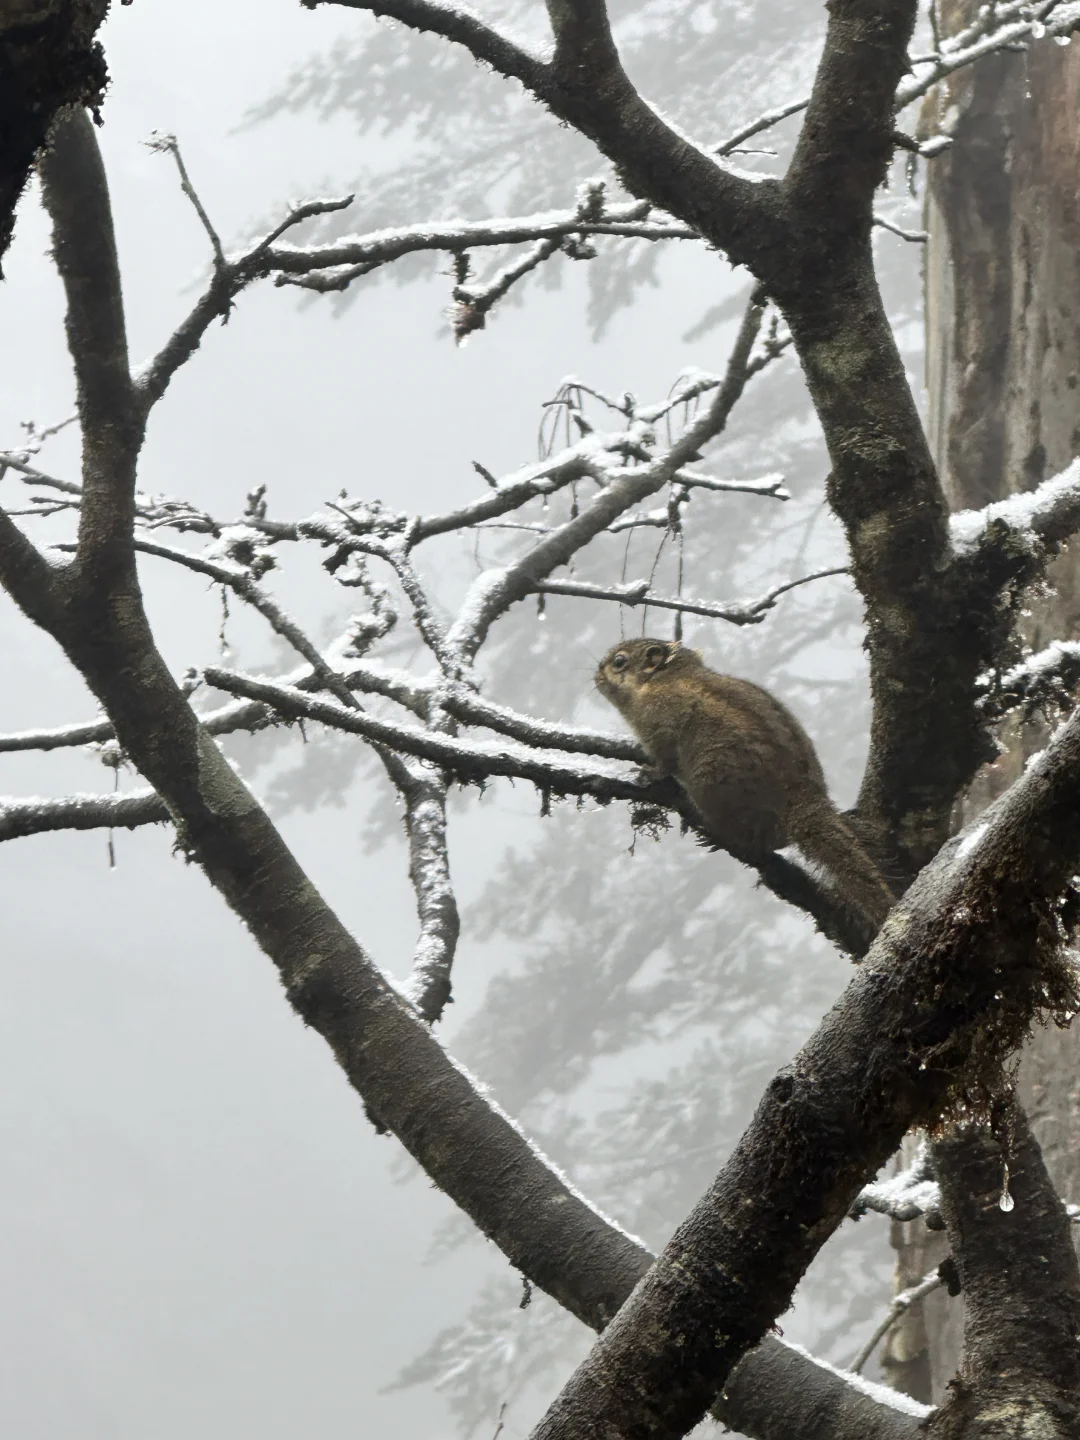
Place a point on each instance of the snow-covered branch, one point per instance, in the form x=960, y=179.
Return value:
x=1032, y=521
x=998, y=27
x=639, y=592
x=909, y=1194
x=469, y=761
x=494, y=592
x=1046, y=680
x=333, y=267
x=34, y=816
x=428, y=985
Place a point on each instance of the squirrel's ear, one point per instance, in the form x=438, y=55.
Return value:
x=655, y=656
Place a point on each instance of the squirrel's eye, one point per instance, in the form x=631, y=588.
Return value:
x=619, y=661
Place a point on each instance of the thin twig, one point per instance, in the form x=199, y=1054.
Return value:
x=168, y=144
x=897, y=1307
x=639, y=592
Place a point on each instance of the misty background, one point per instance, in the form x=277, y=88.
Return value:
x=199, y=1230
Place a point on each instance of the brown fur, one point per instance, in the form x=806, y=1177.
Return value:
x=745, y=762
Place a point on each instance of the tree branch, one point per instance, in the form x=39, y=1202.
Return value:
x=229, y=278
x=428, y=985
x=19, y=818
x=898, y=1306
x=906, y=1196
x=586, y=86
x=638, y=592
x=980, y=933
x=76, y=195
x=470, y=761
x=49, y=60
x=461, y=26
x=1034, y=523
x=846, y=143
x=1020, y=1280
x=1046, y=680
x=335, y=266
x=496, y=591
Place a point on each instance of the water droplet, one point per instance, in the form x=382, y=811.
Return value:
x=1006, y=1202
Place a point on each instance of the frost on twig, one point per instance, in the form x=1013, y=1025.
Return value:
x=422, y=754
x=21, y=817
x=639, y=592
x=997, y=27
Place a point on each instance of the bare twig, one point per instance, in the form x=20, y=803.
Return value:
x=496, y=591
x=898, y=1305
x=167, y=144
x=917, y=237
x=639, y=592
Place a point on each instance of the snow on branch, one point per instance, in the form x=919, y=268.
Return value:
x=639, y=592
x=1046, y=680
x=494, y=592
x=997, y=27
x=465, y=705
x=470, y=761
x=428, y=985
x=905, y=1196
x=1036, y=520
x=33, y=816
x=334, y=267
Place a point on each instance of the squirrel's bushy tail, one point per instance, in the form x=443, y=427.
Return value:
x=820, y=832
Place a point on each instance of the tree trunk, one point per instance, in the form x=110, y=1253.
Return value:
x=1003, y=374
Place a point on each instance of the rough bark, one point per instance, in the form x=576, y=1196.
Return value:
x=1021, y=1284
x=1003, y=373
x=49, y=59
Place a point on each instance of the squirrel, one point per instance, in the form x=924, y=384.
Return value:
x=746, y=764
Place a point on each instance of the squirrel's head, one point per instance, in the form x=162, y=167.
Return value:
x=636, y=664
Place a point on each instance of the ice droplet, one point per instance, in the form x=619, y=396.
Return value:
x=1006, y=1201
